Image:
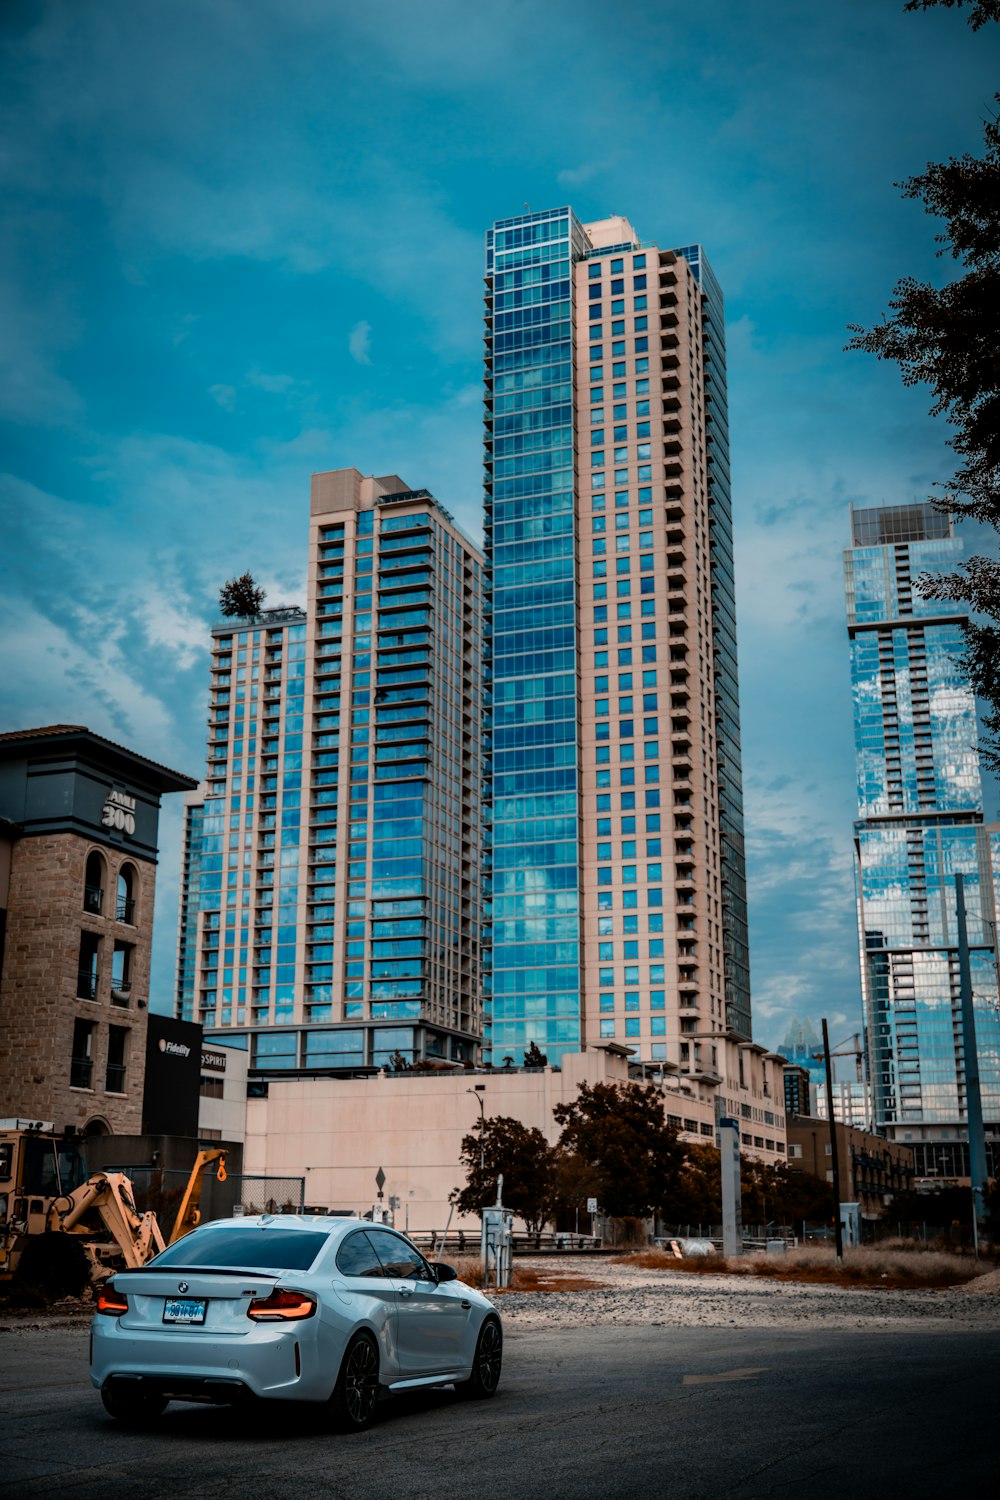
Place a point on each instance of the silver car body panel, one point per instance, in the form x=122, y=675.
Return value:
x=426, y=1331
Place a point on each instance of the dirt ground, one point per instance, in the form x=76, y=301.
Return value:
x=557, y=1291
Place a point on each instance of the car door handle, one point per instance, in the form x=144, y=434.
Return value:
x=404, y=1291
x=466, y=1303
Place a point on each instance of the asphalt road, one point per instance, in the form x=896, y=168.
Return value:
x=582, y=1412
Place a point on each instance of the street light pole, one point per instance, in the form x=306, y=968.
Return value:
x=477, y=1094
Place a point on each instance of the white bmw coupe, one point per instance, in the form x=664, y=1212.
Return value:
x=285, y=1308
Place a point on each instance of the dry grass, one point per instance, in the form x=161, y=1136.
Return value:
x=526, y=1278
x=896, y=1264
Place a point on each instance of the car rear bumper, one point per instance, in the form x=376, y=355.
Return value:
x=214, y=1389
x=278, y=1363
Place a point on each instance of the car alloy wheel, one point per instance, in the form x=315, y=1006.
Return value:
x=356, y=1394
x=486, y=1365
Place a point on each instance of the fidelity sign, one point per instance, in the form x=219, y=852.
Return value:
x=173, y=1049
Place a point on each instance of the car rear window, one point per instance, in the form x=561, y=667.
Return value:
x=226, y=1247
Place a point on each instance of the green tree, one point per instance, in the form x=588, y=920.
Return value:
x=534, y=1057
x=697, y=1196
x=241, y=597
x=527, y=1162
x=982, y=10
x=619, y=1131
x=947, y=338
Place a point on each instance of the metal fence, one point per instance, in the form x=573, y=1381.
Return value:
x=271, y=1195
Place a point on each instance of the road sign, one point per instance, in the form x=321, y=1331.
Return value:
x=380, y=1181
x=591, y=1205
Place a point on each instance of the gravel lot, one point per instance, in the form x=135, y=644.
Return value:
x=631, y=1296
x=687, y=1299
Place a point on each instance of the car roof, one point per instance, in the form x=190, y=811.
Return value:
x=334, y=1225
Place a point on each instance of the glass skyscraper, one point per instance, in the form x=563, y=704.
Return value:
x=921, y=821
x=618, y=899
x=330, y=916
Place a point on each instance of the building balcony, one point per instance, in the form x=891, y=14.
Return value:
x=81, y=1072
x=87, y=981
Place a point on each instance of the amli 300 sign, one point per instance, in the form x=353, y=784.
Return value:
x=119, y=812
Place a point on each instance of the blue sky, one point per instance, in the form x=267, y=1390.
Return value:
x=242, y=241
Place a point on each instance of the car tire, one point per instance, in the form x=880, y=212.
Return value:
x=486, y=1363
x=133, y=1408
x=355, y=1396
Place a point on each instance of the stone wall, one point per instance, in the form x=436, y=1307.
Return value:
x=39, y=999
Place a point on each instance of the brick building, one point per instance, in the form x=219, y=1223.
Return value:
x=78, y=846
x=872, y=1169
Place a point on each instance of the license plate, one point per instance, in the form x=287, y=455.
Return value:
x=184, y=1310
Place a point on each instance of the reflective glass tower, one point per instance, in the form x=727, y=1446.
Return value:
x=921, y=822
x=618, y=884
x=331, y=914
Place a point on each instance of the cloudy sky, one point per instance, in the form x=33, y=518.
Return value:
x=242, y=241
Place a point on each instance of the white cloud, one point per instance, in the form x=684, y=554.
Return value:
x=224, y=395
x=359, y=343
x=275, y=385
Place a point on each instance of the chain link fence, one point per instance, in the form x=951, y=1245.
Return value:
x=161, y=1189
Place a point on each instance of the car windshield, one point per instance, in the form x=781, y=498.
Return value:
x=226, y=1247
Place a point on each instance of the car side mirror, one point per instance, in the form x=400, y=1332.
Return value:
x=445, y=1273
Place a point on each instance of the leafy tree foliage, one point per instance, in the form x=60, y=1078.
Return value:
x=947, y=338
x=982, y=10
x=525, y=1159
x=534, y=1057
x=241, y=597
x=619, y=1131
x=769, y=1194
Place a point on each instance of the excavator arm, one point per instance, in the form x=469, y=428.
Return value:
x=189, y=1212
x=109, y=1196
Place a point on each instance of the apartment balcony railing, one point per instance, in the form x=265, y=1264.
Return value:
x=81, y=1071
x=86, y=984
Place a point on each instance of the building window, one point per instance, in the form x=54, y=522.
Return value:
x=87, y=966
x=81, y=1070
x=114, y=1080
x=93, y=884
x=125, y=895
x=211, y=1088
x=121, y=973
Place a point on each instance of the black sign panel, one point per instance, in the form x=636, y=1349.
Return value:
x=173, y=1075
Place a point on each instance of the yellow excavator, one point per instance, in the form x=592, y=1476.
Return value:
x=45, y=1188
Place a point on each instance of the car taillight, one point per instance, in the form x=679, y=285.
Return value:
x=281, y=1306
x=111, y=1303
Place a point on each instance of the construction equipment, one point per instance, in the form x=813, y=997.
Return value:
x=45, y=1188
x=189, y=1212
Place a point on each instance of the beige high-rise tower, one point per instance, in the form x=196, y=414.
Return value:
x=331, y=899
x=618, y=887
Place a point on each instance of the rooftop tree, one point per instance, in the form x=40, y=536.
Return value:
x=241, y=597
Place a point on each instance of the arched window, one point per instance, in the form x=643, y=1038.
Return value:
x=126, y=894
x=93, y=884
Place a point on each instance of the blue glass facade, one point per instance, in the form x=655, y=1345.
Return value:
x=618, y=883
x=920, y=800
x=534, y=990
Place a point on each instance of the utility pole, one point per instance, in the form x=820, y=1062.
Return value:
x=973, y=1098
x=838, y=1228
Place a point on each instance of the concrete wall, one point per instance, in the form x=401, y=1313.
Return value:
x=338, y=1132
